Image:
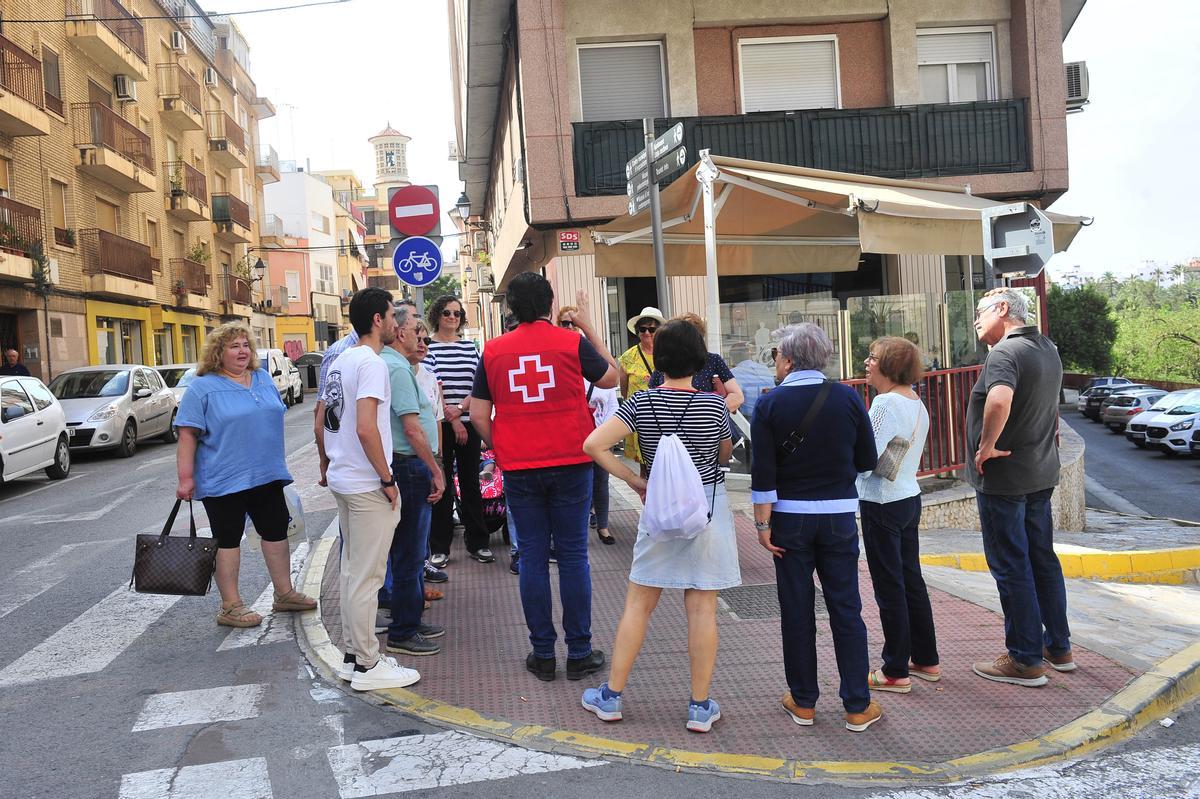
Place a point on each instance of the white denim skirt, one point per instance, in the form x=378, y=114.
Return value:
x=708, y=562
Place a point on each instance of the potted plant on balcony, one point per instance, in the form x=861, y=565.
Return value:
x=180, y=290
x=176, y=179
x=197, y=253
x=11, y=241
x=69, y=237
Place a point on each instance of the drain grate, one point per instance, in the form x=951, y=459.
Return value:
x=759, y=602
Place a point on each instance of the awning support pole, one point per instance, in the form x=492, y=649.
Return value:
x=706, y=174
x=656, y=226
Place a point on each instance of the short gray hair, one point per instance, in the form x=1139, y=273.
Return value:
x=1018, y=306
x=805, y=345
x=400, y=311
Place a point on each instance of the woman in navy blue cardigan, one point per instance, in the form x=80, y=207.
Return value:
x=804, y=503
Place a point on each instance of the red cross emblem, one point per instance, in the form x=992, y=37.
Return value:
x=529, y=377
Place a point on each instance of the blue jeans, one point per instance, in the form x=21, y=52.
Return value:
x=894, y=556
x=406, y=559
x=545, y=503
x=827, y=542
x=513, y=546
x=1018, y=542
x=600, y=496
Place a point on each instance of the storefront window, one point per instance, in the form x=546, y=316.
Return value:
x=164, y=345
x=118, y=340
x=191, y=342
x=916, y=317
x=748, y=328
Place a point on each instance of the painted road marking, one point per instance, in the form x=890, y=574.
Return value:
x=54, y=484
x=85, y=516
x=419, y=762
x=40, y=576
x=92, y=641
x=204, y=706
x=275, y=626
x=230, y=779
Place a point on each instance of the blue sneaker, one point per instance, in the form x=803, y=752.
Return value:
x=700, y=718
x=605, y=709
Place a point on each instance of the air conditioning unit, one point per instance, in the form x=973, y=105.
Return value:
x=178, y=42
x=1077, y=85
x=126, y=88
x=210, y=76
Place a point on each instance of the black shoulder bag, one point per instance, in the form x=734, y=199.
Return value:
x=797, y=436
x=177, y=566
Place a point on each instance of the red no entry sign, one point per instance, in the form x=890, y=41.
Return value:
x=413, y=211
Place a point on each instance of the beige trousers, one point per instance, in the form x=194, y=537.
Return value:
x=368, y=523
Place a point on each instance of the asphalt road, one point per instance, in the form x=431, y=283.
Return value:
x=1151, y=481
x=108, y=693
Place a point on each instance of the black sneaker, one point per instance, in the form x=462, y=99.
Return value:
x=578, y=669
x=431, y=630
x=483, y=555
x=417, y=645
x=514, y=565
x=433, y=575
x=542, y=668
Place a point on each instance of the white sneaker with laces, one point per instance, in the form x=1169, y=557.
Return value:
x=386, y=673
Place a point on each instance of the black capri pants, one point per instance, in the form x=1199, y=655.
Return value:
x=264, y=504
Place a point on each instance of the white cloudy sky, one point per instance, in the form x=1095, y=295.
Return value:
x=338, y=74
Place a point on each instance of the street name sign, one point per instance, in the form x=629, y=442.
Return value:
x=671, y=162
x=417, y=261
x=667, y=142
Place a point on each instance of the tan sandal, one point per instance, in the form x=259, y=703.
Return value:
x=293, y=601
x=238, y=616
x=926, y=673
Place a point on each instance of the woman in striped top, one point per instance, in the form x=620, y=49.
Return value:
x=454, y=361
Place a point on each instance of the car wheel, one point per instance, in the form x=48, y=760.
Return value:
x=62, y=461
x=291, y=398
x=128, y=444
x=1140, y=444
x=1112, y=428
x=300, y=397
x=172, y=434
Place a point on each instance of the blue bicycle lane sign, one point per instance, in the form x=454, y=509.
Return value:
x=417, y=261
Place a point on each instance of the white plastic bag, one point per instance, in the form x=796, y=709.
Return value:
x=676, y=504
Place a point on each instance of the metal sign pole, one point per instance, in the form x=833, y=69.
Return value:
x=660, y=260
x=712, y=289
x=419, y=299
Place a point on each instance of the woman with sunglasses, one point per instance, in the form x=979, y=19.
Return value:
x=455, y=361
x=636, y=364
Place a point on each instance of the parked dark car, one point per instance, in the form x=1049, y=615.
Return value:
x=1099, y=394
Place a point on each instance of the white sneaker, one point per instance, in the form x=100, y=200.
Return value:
x=386, y=673
x=346, y=671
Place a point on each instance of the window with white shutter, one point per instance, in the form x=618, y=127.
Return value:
x=786, y=74
x=956, y=65
x=622, y=81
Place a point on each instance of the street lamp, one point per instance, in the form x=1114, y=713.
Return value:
x=261, y=269
x=463, y=205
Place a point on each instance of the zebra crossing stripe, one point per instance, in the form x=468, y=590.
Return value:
x=204, y=706
x=275, y=626
x=41, y=575
x=229, y=779
x=92, y=640
x=420, y=762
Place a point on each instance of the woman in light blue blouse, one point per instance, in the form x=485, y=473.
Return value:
x=230, y=457
x=891, y=513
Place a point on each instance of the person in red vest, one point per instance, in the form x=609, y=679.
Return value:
x=533, y=377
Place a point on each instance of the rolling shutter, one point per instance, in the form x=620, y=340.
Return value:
x=621, y=82
x=954, y=48
x=786, y=76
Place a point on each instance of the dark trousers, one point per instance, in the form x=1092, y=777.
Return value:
x=551, y=505
x=600, y=495
x=466, y=456
x=828, y=543
x=1018, y=542
x=894, y=557
x=406, y=558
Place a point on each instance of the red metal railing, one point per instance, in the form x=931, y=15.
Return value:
x=110, y=254
x=116, y=18
x=184, y=177
x=237, y=289
x=21, y=73
x=97, y=125
x=20, y=225
x=175, y=81
x=225, y=134
x=192, y=274
x=946, y=394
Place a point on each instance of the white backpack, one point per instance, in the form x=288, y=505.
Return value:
x=674, y=493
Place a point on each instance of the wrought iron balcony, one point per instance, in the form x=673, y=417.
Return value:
x=226, y=140
x=896, y=142
x=181, y=97
x=103, y=131
x=236, y=289
x=20, y=225
x=193, y=275
x=227, y=208
x=107, y=253
x=110, y=34
x=186, y=180
x=22, y=98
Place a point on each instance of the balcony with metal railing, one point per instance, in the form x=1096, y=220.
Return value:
x=113, y=149
x=270, y=231
x=235, y=295
x=191, y=283
x=276, y=301
x=117, y=266
x=226, y=141
x=20, y=228
x=231, y=218
x=266, y=164
x=180, y=96
x=187, y=192
x=917, y=141
x=22, y=98
x=113, y=37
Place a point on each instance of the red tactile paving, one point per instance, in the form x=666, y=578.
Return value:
x=481, y=667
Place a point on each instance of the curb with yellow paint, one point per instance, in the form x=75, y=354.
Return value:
x=1159, y=566
x=1169, y=685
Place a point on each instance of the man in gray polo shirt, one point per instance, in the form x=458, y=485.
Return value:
x=1012, y=427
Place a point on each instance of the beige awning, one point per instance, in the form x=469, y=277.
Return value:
x=776, y=219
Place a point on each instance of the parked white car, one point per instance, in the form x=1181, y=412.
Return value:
x=294, y=381
x=1171, y=431
x=177, y=376
x=33, y=430
x=1135, y=431
x=275, y=362
x=116, y=406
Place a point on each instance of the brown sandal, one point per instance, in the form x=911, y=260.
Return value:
x=293, y=601
x=238, y=616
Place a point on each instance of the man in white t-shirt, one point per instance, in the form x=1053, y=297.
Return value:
x=356, y=434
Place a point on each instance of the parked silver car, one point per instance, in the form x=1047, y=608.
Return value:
x=1135, y=430
x=116, y=406
x=177, y=376
x=1118, y=409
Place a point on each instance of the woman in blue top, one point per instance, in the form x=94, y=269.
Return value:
x=230, y=457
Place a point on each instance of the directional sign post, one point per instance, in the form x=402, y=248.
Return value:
x=660, y=158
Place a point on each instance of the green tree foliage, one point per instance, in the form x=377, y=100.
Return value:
x=1083, y=327
x=1159, y=330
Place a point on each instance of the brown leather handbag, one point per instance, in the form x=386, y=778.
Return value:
x=178, y=566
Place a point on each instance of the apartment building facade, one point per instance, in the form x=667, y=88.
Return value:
x=127, y=140
x=550, y=94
